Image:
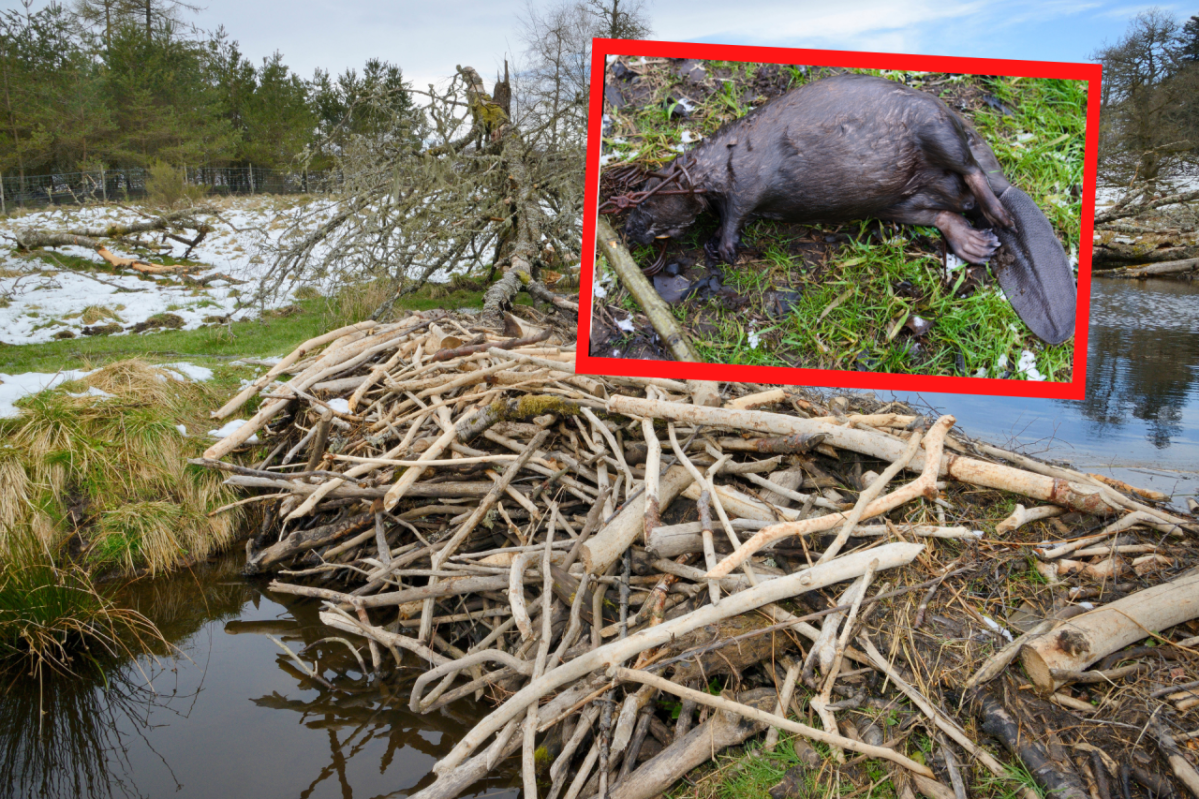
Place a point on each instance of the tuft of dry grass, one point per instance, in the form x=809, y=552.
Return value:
x=105, y=475
x=97, y=313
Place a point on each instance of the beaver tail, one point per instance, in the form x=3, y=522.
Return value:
x=1033, y=270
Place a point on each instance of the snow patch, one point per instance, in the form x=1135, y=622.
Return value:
x=45, y=300
x=14, y=387
x=190, y=371
x=1027, y=366
x=92, y=391
x=339, y=404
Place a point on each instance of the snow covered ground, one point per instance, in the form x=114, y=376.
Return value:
x=39, y=301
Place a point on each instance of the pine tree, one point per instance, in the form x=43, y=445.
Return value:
x=278, y=118
x=1190, y=39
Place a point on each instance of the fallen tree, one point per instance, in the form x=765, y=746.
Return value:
x=469, y=188
x=172, y=224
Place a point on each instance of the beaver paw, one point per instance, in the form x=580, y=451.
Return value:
x=720, y=251
x=974, y=246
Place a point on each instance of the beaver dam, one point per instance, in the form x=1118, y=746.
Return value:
x=640, y=573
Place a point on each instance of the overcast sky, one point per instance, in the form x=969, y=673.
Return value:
x=429, y=37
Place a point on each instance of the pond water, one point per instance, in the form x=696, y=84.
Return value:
x=232, y=715
x=235, y=717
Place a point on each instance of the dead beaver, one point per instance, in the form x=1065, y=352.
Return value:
x=855, y=146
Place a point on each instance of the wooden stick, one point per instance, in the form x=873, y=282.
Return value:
x=1183, y=770
x=876, y=488
x=937, y=716
x=643, y=291
x=1085, y=497
x=653, y=468
x=1022, y=516
x=516, y=595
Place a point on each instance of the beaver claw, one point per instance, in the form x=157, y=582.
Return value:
x=970, y=244
x=976, y=247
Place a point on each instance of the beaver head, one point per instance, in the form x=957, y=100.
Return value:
x=661, y=216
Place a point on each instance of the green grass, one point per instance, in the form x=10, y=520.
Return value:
x=105, y=482
x=1040, y=145
x=750, y=772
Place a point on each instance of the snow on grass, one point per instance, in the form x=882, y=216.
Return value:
x=190, y=371
x=14, y=387
x=39, y=299
x=229, y=429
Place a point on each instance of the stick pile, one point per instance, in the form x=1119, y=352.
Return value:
x=583, y=548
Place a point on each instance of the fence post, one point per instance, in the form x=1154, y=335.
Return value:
x=3, y=209
x=251, y=179
x=103, y=185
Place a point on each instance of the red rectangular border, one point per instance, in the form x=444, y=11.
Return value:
x=586, y=364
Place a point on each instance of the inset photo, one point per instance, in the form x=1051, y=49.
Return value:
x=828, y=218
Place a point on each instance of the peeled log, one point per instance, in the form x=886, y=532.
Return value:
x=1078, y=642
x=610, y=543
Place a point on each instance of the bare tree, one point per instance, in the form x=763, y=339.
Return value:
x=1148, y=106
x=619, y=19
x=553, y=86
x=555, y=82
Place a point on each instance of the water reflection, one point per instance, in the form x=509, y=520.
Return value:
x=232, y=716
x=70, y=736
x=1143, y=358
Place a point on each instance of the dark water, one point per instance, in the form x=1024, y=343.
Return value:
x=234, y=717
x=1140, y=419
x=231, y=716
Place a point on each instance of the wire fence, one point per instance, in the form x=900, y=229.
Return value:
x=77, y=188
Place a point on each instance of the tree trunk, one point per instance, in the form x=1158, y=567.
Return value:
x=1083, y=640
